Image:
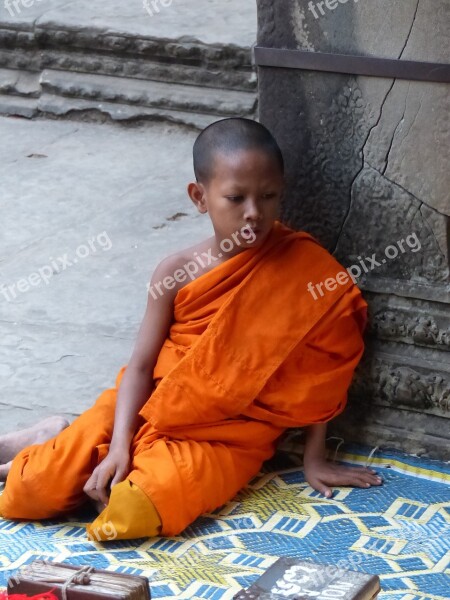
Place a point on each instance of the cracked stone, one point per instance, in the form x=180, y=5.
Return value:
x=367, y=170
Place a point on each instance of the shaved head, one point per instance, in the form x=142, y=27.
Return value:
x=230, y=136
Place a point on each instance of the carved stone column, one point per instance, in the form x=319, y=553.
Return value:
x=368, y=175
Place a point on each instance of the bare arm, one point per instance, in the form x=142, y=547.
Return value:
x=137, y=382
x=315, y=448
x=135, y=388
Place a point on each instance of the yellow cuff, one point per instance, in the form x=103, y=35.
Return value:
x=130, y=514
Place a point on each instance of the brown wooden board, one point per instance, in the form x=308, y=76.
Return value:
x=42, y=576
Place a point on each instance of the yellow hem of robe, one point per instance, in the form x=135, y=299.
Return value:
x=130, y=514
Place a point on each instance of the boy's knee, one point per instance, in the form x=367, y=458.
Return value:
x=15, y=504
x=34, y=493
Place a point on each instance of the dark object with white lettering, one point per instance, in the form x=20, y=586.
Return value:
x=305, y=580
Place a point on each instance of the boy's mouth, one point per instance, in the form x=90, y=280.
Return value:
x=254, y=229
x=252, y=233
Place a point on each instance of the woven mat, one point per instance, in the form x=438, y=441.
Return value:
x=400, y=531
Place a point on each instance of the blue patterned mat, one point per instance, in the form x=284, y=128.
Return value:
x=400, y=531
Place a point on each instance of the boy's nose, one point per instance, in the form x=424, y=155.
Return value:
x=252, y=212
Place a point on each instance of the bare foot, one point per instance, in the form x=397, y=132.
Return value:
x=322, y=474
x=4, y=470
x=12, y=443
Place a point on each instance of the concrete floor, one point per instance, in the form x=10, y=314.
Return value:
x=92, y=208
x=113, y=200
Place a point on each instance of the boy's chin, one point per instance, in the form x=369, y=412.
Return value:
x=255, y=241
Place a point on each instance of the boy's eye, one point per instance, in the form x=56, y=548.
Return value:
x=269, y=196
x=235, y=198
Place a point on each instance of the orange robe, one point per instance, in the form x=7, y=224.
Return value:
x=250, y=353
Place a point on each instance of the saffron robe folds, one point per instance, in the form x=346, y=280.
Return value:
x=250, y=353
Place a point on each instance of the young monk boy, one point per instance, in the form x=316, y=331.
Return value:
x=231, y=352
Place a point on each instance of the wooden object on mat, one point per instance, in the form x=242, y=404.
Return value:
x=69, y=582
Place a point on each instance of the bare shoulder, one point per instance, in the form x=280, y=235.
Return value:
x=178, y=260
x=176, y=270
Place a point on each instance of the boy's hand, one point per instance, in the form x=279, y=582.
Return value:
x=320, y=474
x=113, y=469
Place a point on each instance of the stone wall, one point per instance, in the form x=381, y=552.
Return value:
x=367, y=170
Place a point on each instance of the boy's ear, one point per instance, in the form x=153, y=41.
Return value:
x=196, y=193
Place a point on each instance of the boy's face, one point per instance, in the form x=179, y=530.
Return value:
x=244, y=190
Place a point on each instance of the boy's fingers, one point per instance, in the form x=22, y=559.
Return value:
x=375, y=480
x=91, y=492
x=95, y=488
x=102, y=484
x=358, y=476
x=89, y=488
x=102, y=495
x=120, y=476
x=371, y=479
x=356, y=470
x=360, y=470
x=365, y=482
x=321, y=488
x=361, y=480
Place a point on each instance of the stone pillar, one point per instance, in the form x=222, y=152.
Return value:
x=368, y=175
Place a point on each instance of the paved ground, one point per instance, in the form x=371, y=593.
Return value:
x=63, y=184
x=210, y=21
